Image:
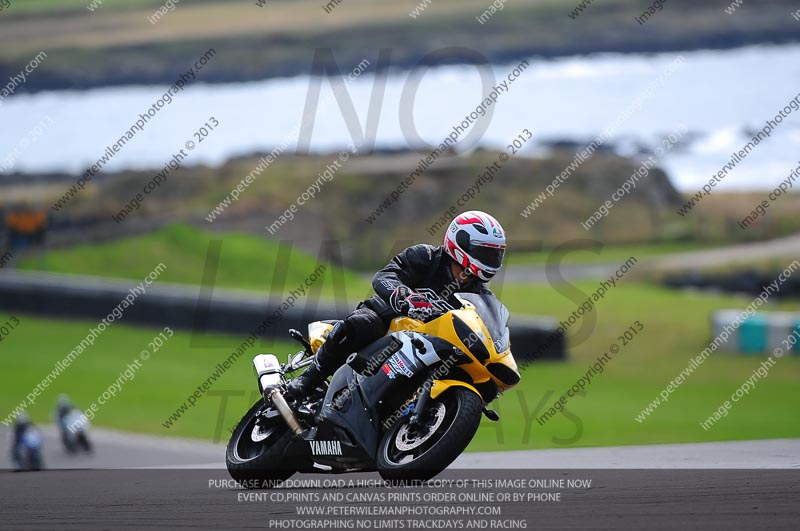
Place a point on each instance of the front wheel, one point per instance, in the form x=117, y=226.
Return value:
x=453, y=419
x=255, y=451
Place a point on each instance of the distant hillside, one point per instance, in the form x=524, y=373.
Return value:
x=421, y=211
x=115, y=44
x=342, y=206
x=339, y=212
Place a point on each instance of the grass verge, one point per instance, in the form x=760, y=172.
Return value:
x=245, y=261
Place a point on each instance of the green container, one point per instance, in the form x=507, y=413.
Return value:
x=753, y=335
x=797, y=335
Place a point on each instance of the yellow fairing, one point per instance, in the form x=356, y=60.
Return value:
x=444, y=328
x=505, y=358
x=440, y=386
x=404, y=323
x=317, y=332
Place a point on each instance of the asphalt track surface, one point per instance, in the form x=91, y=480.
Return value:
x=732, y=485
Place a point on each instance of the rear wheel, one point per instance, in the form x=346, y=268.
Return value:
x=255, y=451
x=422, y=453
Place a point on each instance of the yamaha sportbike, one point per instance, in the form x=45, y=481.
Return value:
x=407, y=405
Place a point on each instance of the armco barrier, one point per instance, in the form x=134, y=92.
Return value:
x=227, y=311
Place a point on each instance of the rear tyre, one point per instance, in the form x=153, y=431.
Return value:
x=254, y=455
x=453, y=420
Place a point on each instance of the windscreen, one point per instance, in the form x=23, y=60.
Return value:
x=494, y=315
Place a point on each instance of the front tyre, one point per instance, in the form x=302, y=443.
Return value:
x=255, y=451
x=422, y=454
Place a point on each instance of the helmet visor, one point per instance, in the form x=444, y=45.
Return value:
x=488, y=256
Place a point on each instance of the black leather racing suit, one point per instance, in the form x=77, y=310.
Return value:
x=421, y=268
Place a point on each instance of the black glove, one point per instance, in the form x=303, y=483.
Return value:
x=414, y=305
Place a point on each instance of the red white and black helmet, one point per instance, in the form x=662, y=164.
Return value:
x=477, y=242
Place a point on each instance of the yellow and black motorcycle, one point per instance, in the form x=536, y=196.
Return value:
x=407, y=405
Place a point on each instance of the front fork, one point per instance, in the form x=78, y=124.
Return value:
x=276, y=397
x=421, y=411
x=270, y=380
x=420, y=414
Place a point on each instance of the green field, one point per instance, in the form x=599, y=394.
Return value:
x=245, y=262
x=605, y=254
x=248, y=262
x=145, y=402
x=676, y=328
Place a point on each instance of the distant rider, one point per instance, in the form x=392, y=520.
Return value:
x=73, y=425
x=21, y=424
x=25, y=444
x=63, y=407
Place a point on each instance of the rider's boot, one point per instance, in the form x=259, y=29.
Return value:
x=356, y=330
x=306, y=382
x=324, y=365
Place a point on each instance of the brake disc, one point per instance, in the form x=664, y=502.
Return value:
x=260, y=432
x=405, y=441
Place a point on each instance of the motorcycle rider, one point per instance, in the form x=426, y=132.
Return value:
x=416, y=283
x=23, y=427
x=72, y=424
x=63, y=407
x=21, y=423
